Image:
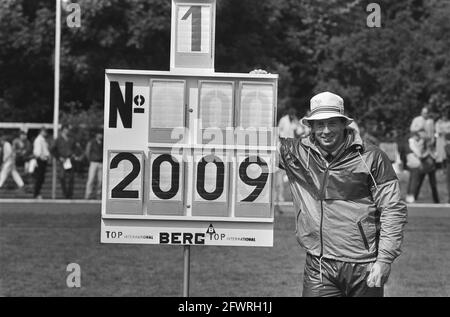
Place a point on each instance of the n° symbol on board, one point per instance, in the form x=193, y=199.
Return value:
x=139, y=101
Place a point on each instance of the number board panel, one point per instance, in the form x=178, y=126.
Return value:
x=196, y=157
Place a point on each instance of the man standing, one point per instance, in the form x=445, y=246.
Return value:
x=64, y=152
x=350, y=218
x=42, y=155
x=94, y=154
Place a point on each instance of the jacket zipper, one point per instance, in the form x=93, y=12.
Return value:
x=322, y=195
x=363, y=235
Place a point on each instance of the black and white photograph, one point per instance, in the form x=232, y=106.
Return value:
x=225, y=154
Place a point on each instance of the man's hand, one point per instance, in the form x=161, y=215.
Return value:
x=259, y=71
x=379, y=274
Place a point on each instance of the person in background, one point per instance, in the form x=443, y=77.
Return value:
x=421, y=162
x=447, y=151
x=64, y=151
x=41, y=155
x=94, y=154
x=442, y=130
x=9, y=164
x=390, y=147
x=426, y=123
x=414, y=153
x=443, y=146
x=24, y=152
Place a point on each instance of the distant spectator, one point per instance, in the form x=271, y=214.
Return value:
x=424, y=122
x=24, y=152
x=287, y=124
x=64, y=151
x=94, y=154
x=447, y=151
x=390, y=147
x=9, y=164
x=79, y=159
x=443, y=145
x=38, y=166
x=442, y=131
x=421, y=162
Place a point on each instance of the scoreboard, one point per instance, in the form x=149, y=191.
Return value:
x=189, y=154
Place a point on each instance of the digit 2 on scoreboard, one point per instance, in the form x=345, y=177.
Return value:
x=125, y=172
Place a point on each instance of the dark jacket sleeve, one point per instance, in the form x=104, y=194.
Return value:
x=386, y=195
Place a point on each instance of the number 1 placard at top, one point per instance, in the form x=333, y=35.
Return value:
x=192, y=39
x=193, y=28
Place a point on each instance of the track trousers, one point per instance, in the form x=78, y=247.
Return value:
x=332, y=278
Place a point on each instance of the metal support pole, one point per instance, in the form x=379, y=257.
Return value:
x=56, y=88
x=187, y=262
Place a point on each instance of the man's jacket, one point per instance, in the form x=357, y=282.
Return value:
x=349, y=209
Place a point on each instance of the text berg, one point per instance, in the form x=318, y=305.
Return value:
x=181, y=238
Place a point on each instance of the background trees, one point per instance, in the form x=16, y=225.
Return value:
x=384, y=74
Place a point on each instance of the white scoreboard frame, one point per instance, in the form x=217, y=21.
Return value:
x=143, y=222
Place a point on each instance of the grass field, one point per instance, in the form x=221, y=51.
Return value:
x=38, y=241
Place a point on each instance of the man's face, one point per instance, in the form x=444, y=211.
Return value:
x=425, y=113
x=329, y=133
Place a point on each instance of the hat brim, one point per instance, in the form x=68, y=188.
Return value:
x=324, y=116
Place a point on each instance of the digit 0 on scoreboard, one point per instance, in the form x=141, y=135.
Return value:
x=166, y=186
x=253, y=172
x=125, y=172
x=211, y=183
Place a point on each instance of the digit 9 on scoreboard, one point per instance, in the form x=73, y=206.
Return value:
x=253, y=172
